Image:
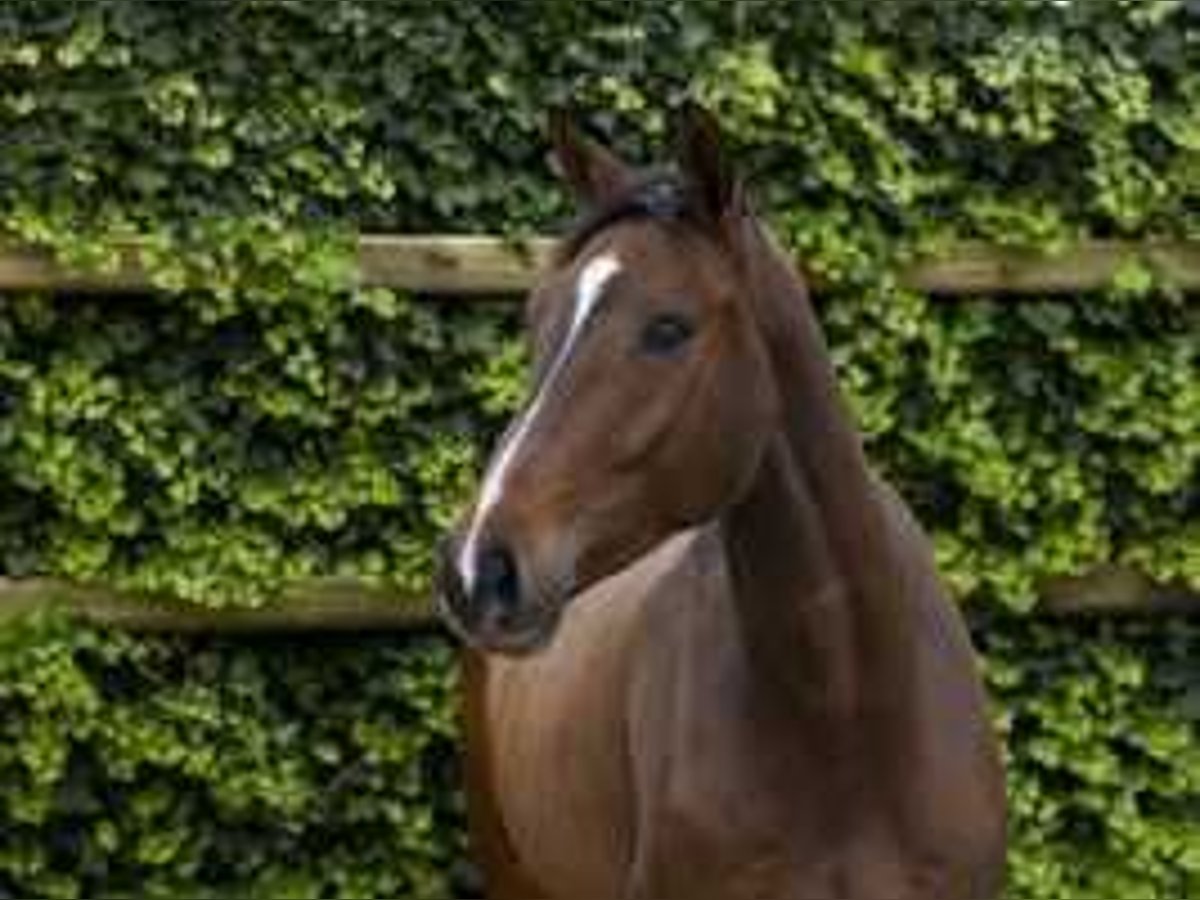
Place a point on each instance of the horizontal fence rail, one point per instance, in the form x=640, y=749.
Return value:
x=321, y=604
x=472, y=265
x=345, y=604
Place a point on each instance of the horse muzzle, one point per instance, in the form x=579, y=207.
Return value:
x=496, y=606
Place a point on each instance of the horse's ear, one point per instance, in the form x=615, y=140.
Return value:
x=592, y=172
x=705, y=166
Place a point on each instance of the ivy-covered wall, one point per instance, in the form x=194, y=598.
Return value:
x=213, y=443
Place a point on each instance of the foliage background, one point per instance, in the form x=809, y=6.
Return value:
x=213, y=442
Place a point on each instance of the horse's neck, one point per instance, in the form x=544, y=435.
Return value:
x=815, y=566
x=788, y=589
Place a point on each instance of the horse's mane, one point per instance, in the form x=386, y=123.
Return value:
x=655, y=194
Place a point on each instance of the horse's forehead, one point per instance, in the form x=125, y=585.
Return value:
x=645, y=257
x=651, y=252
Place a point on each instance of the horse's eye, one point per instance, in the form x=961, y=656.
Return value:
x=666, y=333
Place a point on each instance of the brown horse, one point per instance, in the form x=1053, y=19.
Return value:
x=711, y=656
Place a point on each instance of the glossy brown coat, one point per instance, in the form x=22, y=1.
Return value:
x=743, y=679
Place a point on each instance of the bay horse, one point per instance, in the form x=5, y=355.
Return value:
x=708, y=652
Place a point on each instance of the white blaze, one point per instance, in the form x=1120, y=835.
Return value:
x=595, y=275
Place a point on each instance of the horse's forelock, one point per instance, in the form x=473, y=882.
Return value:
x=657, y=195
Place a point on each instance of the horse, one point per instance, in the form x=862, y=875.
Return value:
x=706, y=650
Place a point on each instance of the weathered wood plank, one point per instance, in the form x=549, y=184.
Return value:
x=341, y=605
x=324, y=605
x=451, y=264
x=30, y=269
x=469, y=265
x=1114, y=590
x=979, y=268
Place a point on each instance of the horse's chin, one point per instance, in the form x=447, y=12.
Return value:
x=526, y=638
x=525, y=643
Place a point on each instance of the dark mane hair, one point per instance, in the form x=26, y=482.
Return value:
x=657, y=194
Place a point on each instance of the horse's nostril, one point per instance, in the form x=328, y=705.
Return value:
x=497, y=580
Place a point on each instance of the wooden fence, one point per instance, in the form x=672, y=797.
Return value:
x=471, y=265
x=475, y=266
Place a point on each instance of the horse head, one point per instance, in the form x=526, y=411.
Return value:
x=652, y=398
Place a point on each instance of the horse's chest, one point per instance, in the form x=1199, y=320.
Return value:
x=565, y=804
x=648, y=769
x=743, y=806
x=690, y=859
x=559, y=766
